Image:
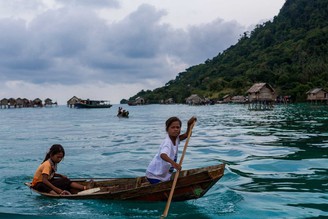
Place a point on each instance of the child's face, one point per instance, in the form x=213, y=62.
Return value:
x=57, y=157
x=174, y=129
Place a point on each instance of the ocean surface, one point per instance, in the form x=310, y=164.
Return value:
x=276, y=161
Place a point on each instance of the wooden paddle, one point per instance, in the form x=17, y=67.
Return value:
x=176, y=176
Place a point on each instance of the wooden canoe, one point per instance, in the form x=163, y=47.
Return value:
x=191, y=184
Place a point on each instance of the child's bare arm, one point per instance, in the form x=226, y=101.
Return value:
x=190, y=122
x=50, y=185
x=167, y=159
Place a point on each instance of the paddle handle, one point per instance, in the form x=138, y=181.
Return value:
x=176, y=176
x=186, y=144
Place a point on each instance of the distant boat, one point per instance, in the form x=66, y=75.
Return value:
x=122, y=113
x=93, y=104
x=125, y=115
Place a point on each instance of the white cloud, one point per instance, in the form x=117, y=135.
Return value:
x=67, y=48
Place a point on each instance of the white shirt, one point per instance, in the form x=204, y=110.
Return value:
x=159, y=168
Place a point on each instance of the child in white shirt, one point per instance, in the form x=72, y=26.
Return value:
x=165, y=161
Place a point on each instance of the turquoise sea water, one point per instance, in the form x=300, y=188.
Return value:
x=276, y=161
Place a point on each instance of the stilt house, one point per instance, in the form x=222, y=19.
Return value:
x=317, y=95
x=194, y=99
x=261, y=96
x=71, y=102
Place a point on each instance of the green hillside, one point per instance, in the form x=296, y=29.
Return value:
x=290, y=53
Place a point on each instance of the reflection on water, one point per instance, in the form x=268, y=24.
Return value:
x=276, y=160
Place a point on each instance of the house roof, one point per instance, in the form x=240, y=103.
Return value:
x=226, y=96
x=238, y=98
x=74, y=98
x=194, y=97
x=258, y=86
x=315, y=90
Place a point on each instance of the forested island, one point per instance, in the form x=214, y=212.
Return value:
x=290, y=53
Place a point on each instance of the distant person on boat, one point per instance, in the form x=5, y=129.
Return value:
x=122, y=112
x=46, y=179
x=162, y=165
x=119, y=111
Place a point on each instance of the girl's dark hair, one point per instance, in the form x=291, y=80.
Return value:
x=171, y=120
x=55, y=149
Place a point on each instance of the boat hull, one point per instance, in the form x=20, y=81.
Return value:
x=122, y=116
x=191, y=184
x=91, y=106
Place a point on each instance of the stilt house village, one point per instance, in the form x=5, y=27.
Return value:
x=261, y=96
x=24, y=102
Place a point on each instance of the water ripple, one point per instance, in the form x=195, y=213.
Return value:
x=276, y=161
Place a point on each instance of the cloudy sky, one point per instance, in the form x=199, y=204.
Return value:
x=112, y=49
